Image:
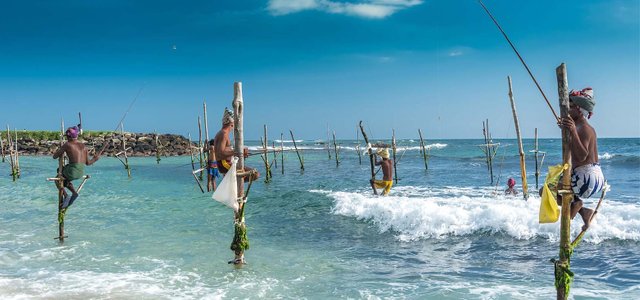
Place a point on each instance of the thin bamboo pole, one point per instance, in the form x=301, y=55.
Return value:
x=563, y=275
x=523, y=168
x=11, y=155
x=424, y=150
x=193, y=166
x=297, y=152
x=282, y=152
x=60, y=186
x=366, y=140
x=200, y=154
x=157, y=141
x=265, y=157
x=124, y=151
x=395, y=162
x=17, y=154
x=2, y=149
x=335, y=148
x=240, y=242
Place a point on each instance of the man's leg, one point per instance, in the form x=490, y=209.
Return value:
x=586, y=214
x=576, y=205
x=373, y=185
x=74, y=194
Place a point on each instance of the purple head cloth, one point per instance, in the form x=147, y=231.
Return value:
x=72, y=132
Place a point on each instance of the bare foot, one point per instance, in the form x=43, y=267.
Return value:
x=586, y=214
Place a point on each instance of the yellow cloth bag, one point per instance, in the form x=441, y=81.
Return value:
x=549, y=210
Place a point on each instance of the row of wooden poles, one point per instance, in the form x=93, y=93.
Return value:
x=12, y=149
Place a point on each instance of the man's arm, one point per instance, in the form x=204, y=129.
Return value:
x=92, y=160
x=60, y=151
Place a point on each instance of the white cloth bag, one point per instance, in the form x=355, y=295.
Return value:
x=227, y=191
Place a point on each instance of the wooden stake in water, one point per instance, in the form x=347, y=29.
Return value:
x=200, y=152
x=275, y=154
x=265, y=157
x=240, y=241
x=395, y=161
x=157, y=142
x=297, y=152
x=124, y=151
x=17, y=159
x=563, y=274
x=489, y=148
x=326, y=144
x=366, y=140
x=60, y=186
x=523, y=169
x=335, y=148
x=424, y=150
x=2, y=149
x=536, y=152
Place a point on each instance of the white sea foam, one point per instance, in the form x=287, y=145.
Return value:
x=606, y=155
x=416, y=212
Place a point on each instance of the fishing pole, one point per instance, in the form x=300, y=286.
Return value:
x=521, y=60
x=124, y=116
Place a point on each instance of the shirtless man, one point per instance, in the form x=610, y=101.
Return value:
x=78, y=158
x=586, y=176
x=511, y=191
x=222, y=145
x=387, y=173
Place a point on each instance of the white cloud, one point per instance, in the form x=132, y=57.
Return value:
x=459, y=51
x=375, y=9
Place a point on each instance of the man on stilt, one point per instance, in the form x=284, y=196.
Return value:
x=78, y=158
x=387, y=172
x=586, y=177
x=223, y=150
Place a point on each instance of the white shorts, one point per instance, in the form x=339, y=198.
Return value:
x=587, y=180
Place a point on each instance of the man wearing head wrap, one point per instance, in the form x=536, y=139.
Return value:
x=511, y=191
x=387, y=172
x=222, y=146
x=586, y=176
x=78, y=157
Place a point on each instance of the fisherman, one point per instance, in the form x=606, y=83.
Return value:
x=78, y=158
x=586, y=177
x=387, y=172
x=223, y=150
x=511, y=191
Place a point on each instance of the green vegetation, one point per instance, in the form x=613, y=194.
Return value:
x=40, y=135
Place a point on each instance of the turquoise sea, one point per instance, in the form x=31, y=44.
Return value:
x=443, y=233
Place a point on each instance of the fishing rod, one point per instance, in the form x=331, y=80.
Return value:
x=521, y=60
x=123, y=117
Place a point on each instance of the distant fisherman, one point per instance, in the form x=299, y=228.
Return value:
x=511, y=191
x=222, y=145
x=78, y=158
x=387, y=172
x=586, y=176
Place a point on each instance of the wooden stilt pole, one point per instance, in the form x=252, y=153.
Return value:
x=2, y=149
x=523, y=169
x=424, y=150
x=17, y=159
x=124, y=151
x=157, y=141
x=11, y=155
x=335, y=148
x=193, y=166
x=240, y=241
x=395, y=149
x=200, y=154
x=563, y=275
x=275, y=154
x=265, y=157
x=297, y=152
x=373, y=173
x=60, y=186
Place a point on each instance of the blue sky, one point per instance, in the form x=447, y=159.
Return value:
x=306, y=65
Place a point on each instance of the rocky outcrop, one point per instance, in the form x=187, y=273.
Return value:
x=138, y=144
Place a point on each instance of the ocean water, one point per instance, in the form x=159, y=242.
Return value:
x=442, y=233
